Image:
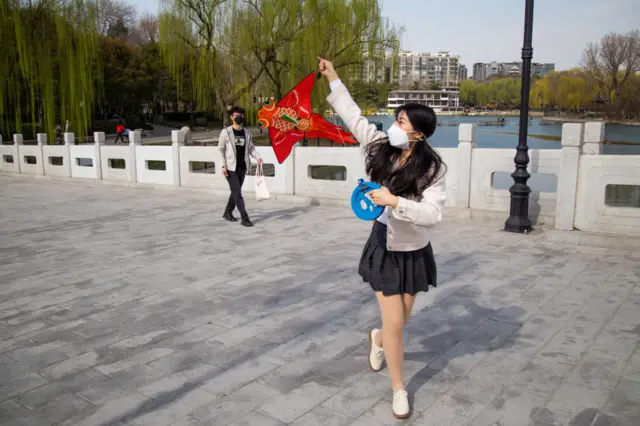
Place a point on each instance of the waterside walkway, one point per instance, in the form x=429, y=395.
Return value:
x=129, y=306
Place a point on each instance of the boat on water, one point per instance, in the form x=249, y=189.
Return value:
x=498, y=122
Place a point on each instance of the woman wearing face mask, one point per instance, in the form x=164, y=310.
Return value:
x=397, y=260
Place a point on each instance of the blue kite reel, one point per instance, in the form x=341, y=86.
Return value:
x=361, y=205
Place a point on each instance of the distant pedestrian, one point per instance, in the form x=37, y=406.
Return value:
x=120, y=130
x=397, y=260
x=236, y=146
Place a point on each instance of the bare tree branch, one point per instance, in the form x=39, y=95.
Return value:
x=110, y=12
x=612, y=62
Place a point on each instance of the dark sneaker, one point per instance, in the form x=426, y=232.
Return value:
x=229, y=217
x=246, y=222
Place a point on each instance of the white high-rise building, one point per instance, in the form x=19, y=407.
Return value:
x=374, y=70
x=378, y=69
x=425, y=68
x=482, y=70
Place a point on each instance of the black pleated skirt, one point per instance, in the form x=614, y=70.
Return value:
x=396, y=272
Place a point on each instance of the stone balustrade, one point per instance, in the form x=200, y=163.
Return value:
x=573, y=188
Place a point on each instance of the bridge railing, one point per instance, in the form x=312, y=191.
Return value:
x=575, y=187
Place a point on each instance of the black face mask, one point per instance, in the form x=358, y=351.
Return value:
x=239, y=120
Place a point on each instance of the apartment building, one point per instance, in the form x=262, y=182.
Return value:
x=463, y=74
x=423, y=68
x=426, y=68
x=482, y=70
x=378, y=69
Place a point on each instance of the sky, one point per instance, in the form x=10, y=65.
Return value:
x=492, y=30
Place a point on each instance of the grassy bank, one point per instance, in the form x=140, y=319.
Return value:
x=587, y=120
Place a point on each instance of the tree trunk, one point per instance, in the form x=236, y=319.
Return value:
x=222, y=104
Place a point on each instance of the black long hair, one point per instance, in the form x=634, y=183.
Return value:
x=422, y=167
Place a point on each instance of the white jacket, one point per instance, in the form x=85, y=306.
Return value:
x=408, y=224
x=227, y=147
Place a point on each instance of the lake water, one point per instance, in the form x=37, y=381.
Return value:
x=507, y=136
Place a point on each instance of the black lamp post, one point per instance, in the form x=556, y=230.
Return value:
x=519, y=213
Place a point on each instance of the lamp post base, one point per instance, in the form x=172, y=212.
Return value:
x=521, y=225
x=518, y=220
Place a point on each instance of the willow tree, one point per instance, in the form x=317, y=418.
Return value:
x=571, y=89
x=238, y=50
x=295, y=32
x=49, y=57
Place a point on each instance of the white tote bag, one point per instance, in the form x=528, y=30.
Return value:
x=262, y=192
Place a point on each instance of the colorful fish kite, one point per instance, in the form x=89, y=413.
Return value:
x=292, y=119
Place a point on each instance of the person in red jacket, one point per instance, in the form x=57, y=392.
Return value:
x=120, y=131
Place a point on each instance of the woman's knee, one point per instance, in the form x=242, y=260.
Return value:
x=407, y=306
x=393, y=324
x=392, y=313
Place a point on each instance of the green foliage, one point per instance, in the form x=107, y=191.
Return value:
x=567, y=90
x=564, y=90
x=131, y=74
x=110, y=126
x=468, y=94
x=132, y=121
x=240, y=49
x=67, y=71
x=118, y=30
x=54, y=45
x=370, y=95
x=504, y=92
x=612, y=66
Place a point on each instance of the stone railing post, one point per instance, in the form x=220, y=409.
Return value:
x=290, y=171
x=135, y=139
x=69, y=139
x=99, y=139
x=593, y=138
x=42, y=142
x=17, y=147
x=177, y=140
x=572, y=137
x=186, y=135
x=466, y=144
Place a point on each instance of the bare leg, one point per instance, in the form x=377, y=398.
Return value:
x=407, y=305
x=407, y=302
x=392, y=310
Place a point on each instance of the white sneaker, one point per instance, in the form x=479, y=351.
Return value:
x=376, y=355
x=400, y=404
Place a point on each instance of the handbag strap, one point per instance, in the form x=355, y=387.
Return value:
x=259, y=170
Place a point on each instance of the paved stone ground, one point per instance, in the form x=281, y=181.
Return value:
x=123, y=306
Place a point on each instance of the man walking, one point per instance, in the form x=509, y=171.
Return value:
x=236, y=145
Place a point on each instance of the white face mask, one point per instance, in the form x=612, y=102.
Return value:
x=398, y=137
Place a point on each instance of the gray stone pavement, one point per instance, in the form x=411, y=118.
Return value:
x=129, y=306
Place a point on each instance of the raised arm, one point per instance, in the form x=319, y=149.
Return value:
x=341, y=101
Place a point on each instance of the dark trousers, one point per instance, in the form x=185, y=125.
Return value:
x=235, y=180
